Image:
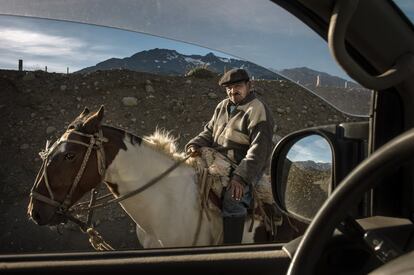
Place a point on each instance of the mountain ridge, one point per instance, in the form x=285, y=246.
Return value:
x=170, y=62
x=313, y=79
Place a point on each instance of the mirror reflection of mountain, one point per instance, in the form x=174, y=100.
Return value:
x=307, y=182
x=312, y=165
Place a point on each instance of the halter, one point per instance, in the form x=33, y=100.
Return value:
x=95, y=142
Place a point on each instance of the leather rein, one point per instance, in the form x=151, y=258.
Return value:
x=63, y=208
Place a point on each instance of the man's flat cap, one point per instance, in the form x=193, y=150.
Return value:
x=234, y=76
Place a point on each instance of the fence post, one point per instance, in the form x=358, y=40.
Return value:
x=20, y=65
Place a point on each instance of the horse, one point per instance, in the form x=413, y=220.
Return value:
x=167, y=214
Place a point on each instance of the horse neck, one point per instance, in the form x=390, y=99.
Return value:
x=136, y=163
x=131, y=158
x=168, y=211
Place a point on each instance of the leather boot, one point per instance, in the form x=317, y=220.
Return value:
x=233, y=230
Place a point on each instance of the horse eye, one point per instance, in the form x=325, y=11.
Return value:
x=69, y=156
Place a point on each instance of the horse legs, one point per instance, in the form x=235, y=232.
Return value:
x=249, y=236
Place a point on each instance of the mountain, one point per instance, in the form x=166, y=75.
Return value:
x=311, y=165
x=170, y=62
x=309, y=78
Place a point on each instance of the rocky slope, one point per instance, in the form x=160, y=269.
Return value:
x=35, y=106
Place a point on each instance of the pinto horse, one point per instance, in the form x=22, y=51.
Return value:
x=168, y=214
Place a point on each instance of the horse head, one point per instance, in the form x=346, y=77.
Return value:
x=72, y=166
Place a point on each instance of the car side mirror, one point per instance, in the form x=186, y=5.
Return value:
x=304, y=176
x=307, y=165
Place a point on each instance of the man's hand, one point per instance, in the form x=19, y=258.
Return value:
x=193, y=151
x=236, y=188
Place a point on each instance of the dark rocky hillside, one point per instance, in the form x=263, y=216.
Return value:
x=35, y=106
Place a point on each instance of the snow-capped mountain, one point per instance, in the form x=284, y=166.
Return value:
x=170, y=62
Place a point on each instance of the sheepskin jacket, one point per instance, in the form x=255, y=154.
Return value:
x=243, y=132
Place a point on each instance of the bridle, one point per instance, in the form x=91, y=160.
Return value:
x=95, y=143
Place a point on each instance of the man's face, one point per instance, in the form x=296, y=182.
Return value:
x=238, y=91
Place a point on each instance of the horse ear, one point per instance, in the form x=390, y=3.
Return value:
x=84, y=112
x=100, y=113
x=92, y=124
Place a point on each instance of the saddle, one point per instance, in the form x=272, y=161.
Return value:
x=214, y=173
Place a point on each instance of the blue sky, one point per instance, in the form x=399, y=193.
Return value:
x=258, y=31
x=58, y=44
x=314, y=148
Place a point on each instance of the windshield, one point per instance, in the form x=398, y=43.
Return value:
x=157, y=94
x=262, y=33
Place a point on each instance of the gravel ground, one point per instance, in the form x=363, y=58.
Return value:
x=35, y=106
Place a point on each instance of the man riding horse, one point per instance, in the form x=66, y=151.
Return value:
x=241, y=127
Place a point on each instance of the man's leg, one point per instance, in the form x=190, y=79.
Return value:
x=234, y=215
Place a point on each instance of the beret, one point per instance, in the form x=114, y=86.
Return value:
x=234, y=76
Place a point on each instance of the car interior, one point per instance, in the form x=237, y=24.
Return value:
x=362, y=221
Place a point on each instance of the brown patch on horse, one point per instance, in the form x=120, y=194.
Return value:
x=65, y=162
x=91, y=123
x=77, y=123
x=134, y=139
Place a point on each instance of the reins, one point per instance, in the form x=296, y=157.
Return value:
x=95, y=142
x=132, y=193
x=95, y=239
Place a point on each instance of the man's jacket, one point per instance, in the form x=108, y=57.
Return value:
x=244, y=135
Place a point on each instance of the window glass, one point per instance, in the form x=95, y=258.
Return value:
x=407, y=7
x=260, y=32
x=50, y=70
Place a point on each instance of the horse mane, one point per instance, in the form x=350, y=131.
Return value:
x=163, y=141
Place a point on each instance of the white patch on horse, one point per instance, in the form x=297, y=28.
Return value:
x=166, y=213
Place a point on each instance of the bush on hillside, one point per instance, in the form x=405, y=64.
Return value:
x=201, y=72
